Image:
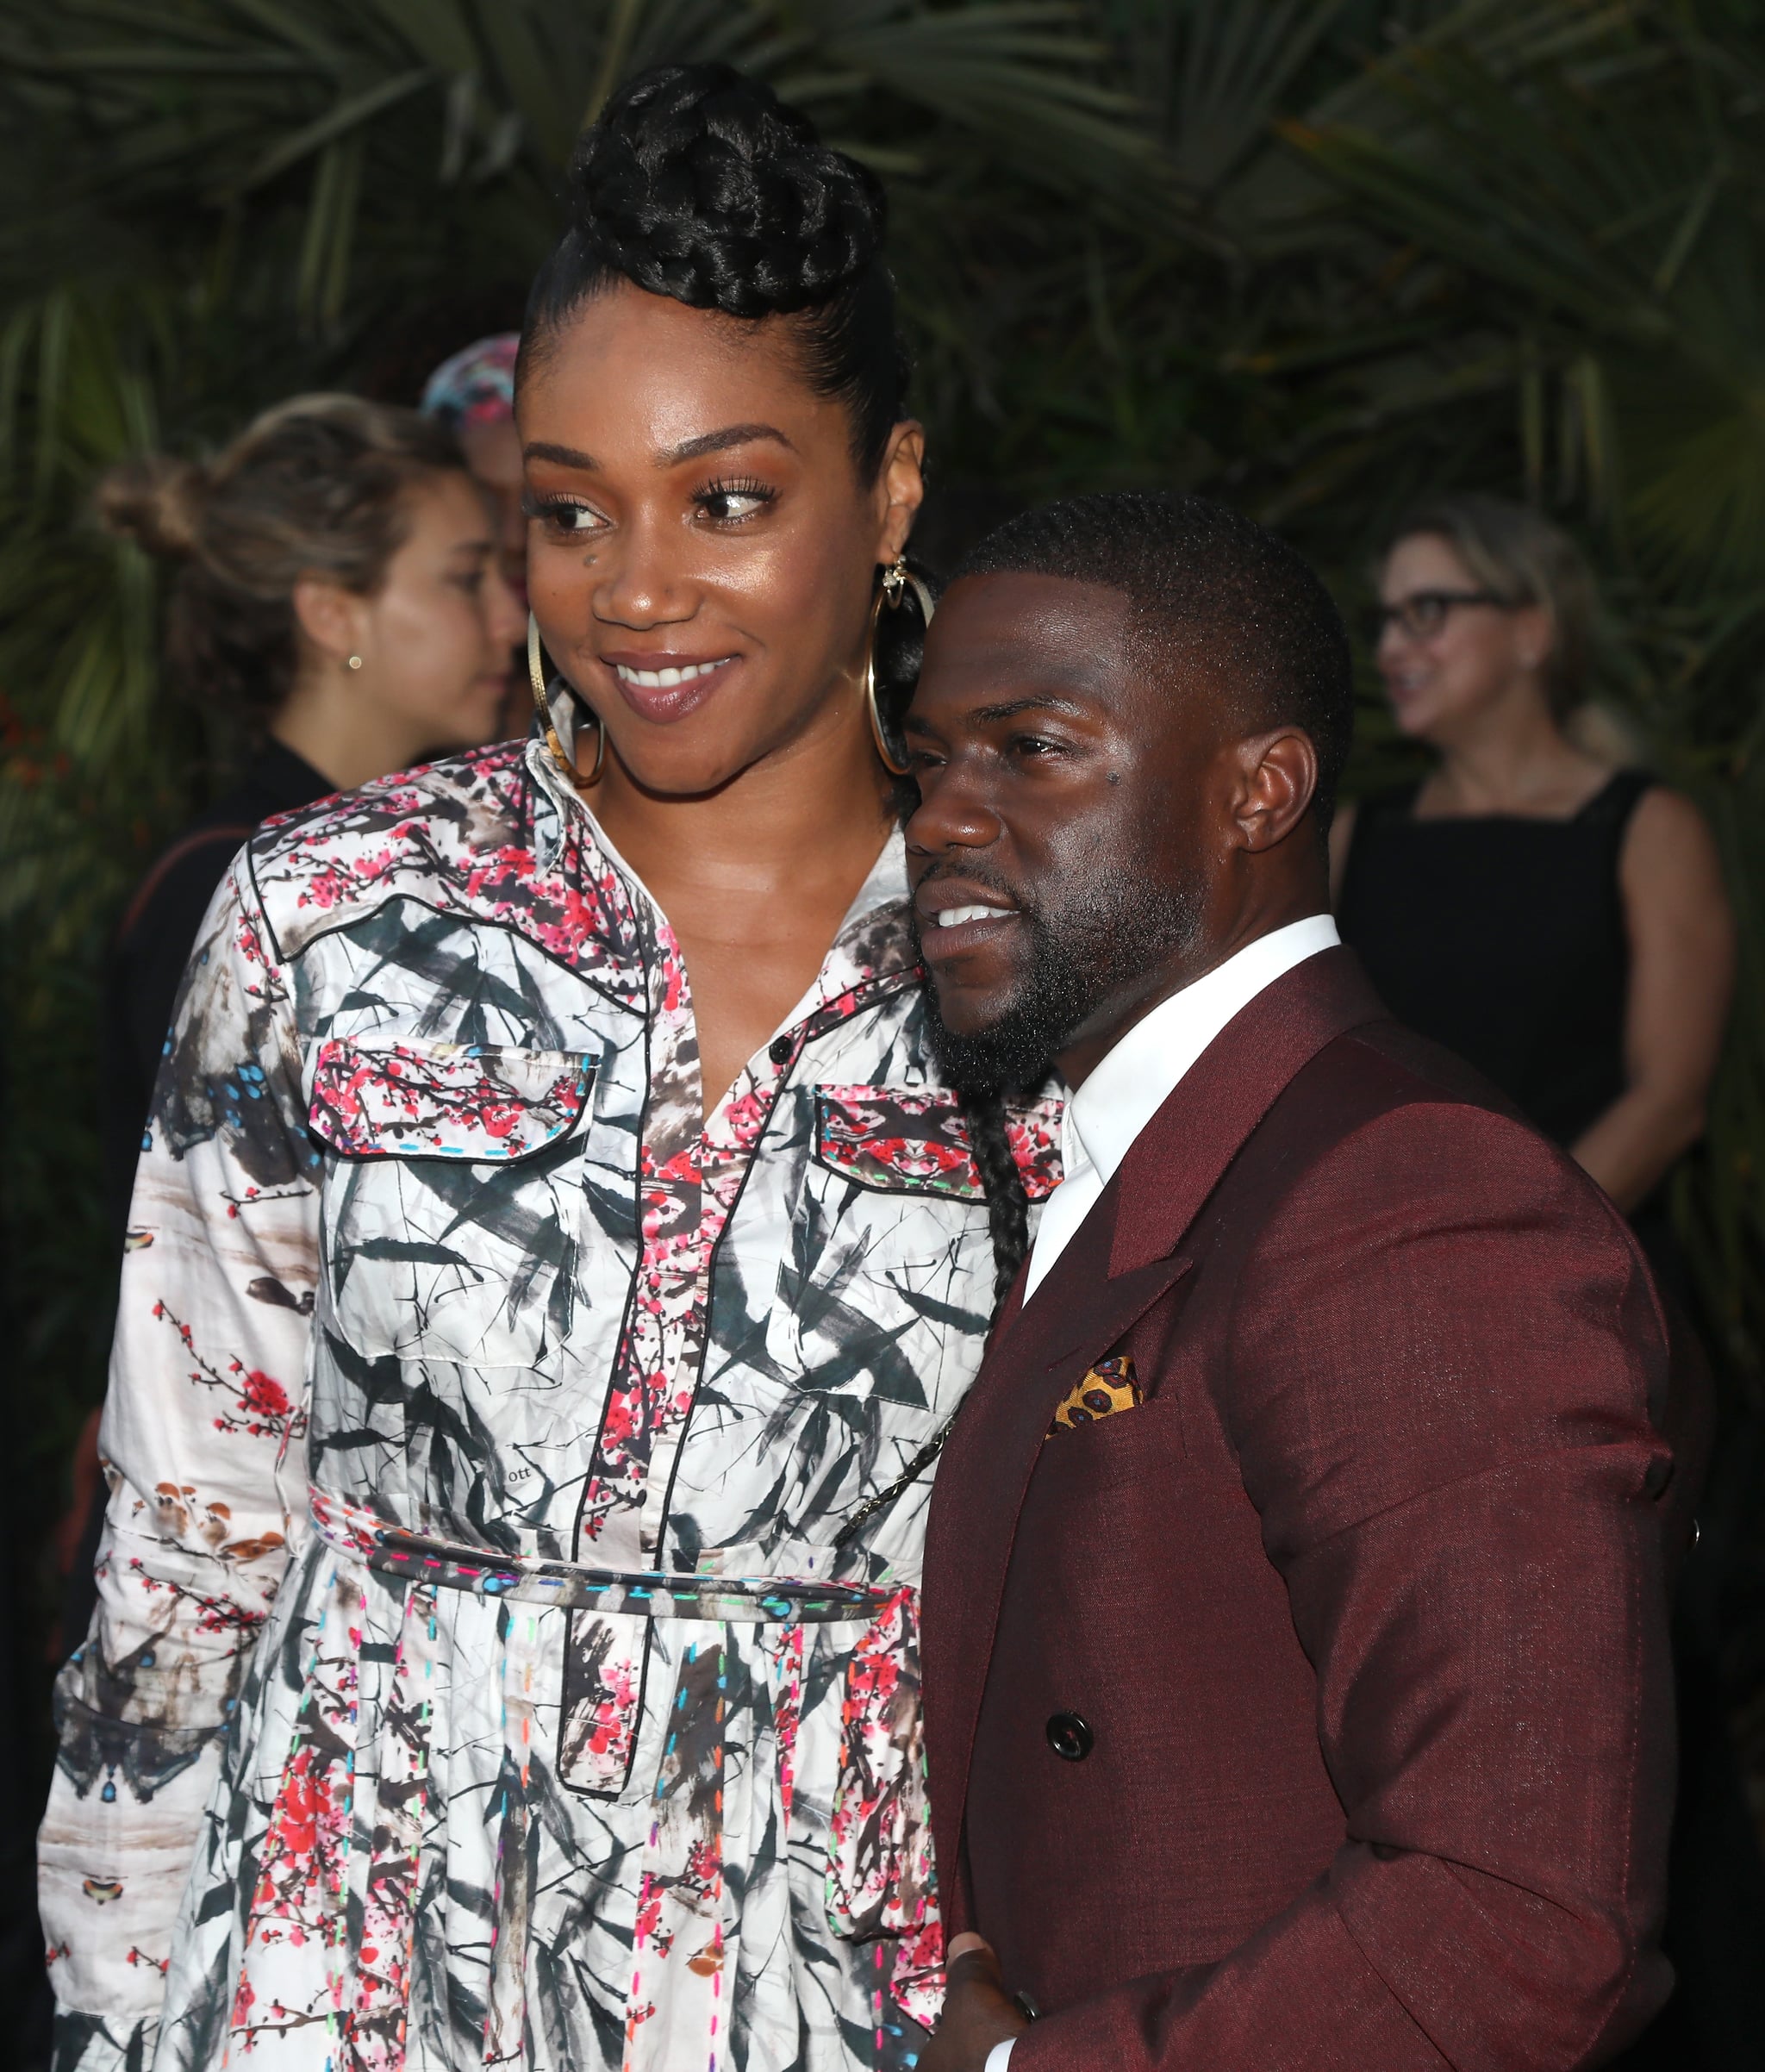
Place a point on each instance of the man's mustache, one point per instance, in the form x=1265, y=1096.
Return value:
x=986, y=880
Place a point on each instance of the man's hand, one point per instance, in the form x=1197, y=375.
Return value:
x=977, y=2011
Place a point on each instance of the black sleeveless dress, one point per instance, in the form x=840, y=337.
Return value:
x=1503, y=938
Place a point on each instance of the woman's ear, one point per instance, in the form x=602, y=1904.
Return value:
x=333, y=619
x=1534, y=636
x=901, y=480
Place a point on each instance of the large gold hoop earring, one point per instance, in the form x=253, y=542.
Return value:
x=896, y=581
x=536, y=677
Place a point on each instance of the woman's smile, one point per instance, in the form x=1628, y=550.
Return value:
x=662, y=688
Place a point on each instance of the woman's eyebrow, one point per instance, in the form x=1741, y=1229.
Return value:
x=566, y=457
x=671, y=457
x=719, y=442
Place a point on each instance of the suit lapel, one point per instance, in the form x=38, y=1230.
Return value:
x=1120, y=1261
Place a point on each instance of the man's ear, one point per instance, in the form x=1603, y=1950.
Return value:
x=334, y=619
x=1277, y=778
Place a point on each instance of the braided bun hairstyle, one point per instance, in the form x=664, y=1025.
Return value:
x=701, y=184
x=316, y=487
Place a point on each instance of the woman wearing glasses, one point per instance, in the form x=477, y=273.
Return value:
x=1558, y=921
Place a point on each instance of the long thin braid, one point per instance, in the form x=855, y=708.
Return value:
x=1008, y=1205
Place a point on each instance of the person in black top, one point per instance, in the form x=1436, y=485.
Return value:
x=1561, y=923
x=340, y=586
x=1558, y=921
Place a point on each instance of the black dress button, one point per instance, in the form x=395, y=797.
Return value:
x=1069, y=1738
x=780, y=1049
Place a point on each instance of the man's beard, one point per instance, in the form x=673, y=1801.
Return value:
x=1099, y=944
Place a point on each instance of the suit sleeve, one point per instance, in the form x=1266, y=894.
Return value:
x=1442, y=1357
x=201, y=1442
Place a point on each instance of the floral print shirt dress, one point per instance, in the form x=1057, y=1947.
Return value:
x=479, y=1675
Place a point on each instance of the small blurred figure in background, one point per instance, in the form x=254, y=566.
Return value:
x=1558, y=921
x=1561, y=922
x=339, y=587
x=472, y=394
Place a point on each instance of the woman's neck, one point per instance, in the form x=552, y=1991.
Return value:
x=1513, y=759
x=755, y=878
x=348, y=738
x=804, y=825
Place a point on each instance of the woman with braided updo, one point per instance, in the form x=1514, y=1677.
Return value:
x=559, y=1260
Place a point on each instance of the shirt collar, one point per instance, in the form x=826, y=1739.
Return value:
x=1137, y=1076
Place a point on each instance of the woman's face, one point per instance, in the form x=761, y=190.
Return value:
x=700, y=552
x=439, y=634
x=1475, y=656
x=492, y=450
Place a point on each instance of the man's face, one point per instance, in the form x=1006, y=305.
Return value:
x=1063, y=851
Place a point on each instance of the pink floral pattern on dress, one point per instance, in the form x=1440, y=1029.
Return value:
x=886, y=1139
x=447, y=1100
x=374, y=2029
x=297, y=1905
x=880, y=1877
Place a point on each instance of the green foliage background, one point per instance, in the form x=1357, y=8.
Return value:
x=1312, y=256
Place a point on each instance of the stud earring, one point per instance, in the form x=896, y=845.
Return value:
x=355, y=661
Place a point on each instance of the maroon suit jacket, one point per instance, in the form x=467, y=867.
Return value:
x=1362, y=1610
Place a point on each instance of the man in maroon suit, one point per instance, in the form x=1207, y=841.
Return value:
x=1296, y=1628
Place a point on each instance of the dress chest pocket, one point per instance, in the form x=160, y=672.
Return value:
x=889, y=1253
x=452, y=1196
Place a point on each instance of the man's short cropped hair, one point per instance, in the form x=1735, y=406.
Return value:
x=1205, y=584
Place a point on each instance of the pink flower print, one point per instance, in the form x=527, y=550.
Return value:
x=265, y=1397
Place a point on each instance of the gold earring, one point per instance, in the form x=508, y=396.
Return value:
x=536, y=677
x=355, y=661
x=897, y=579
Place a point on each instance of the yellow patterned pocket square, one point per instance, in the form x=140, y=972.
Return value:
x=1110, y=1386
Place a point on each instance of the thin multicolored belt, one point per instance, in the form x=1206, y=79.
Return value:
x=652, y=1594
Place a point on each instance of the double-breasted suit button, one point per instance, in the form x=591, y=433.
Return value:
x=1070, y=1737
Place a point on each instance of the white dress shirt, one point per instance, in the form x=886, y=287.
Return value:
x=1134, y=1080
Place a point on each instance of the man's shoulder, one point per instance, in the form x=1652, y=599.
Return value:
x=1382, y=1117
x=1382, y=1068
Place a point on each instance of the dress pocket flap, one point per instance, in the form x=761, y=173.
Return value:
x=898, y=1140
x=475, y=1103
